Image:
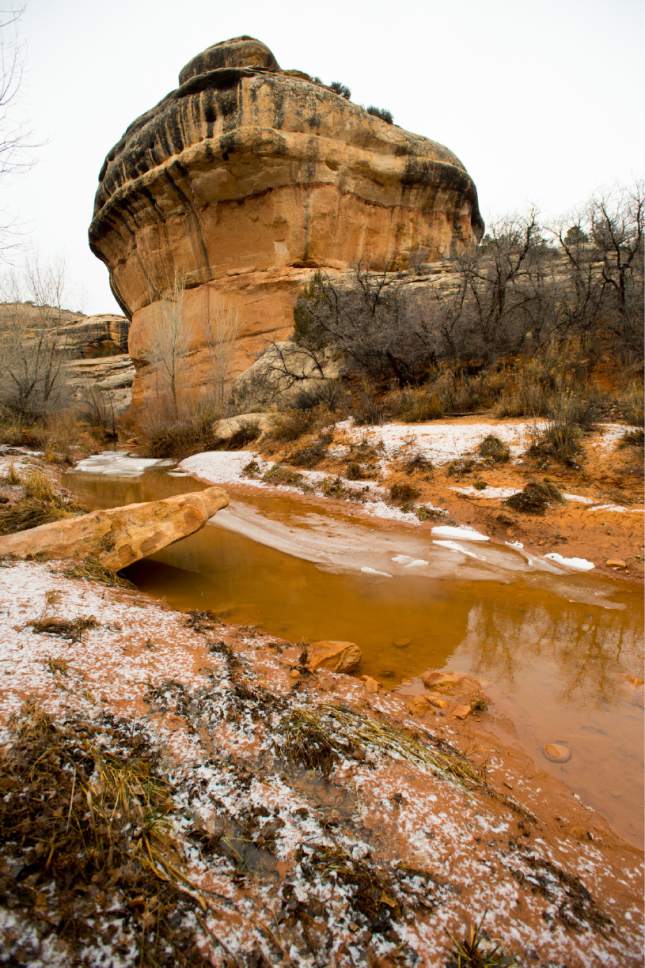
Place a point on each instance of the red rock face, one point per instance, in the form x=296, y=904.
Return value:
x=245, y=179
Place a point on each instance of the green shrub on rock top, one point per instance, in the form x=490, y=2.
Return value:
x=381, y=113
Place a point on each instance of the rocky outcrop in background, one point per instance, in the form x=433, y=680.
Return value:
x=246, y=178
x=95, y=348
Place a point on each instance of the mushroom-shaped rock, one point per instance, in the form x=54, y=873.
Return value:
x=119, y=536
x=242, y=182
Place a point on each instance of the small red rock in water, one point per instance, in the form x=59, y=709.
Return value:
x=401, y=643
x=333, y=655
x=443, y=681
x=557, y=752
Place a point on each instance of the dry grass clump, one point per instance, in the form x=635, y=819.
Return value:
x=403, y=493
x=633, y=438
x=535, y=497
x=280, y=476
x=86, y=820
x=414, y=406
x=57, y=667
x=461, y=467
x=40, y=503
x=354, y=471
x=71, y=629
x=560, y=440
x=62, y=438
x=247, y=432
x=318, y=738
x=494, y=449
x=91, y=569
x=477, y=950
x=418, y=464
x=631, y=405
x=312, y=454
x=334, y=487
x=425, y=513
x=306, y=742
x=292, y=424
x=17, y=432
x=168, y=436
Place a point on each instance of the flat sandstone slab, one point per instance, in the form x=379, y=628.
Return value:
x=117, y=537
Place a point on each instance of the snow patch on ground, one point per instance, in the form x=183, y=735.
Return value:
x=463, y=534
x=443, y=442
x=226, y=467
x=491, y=493
x=118, y=463
x=576, y=564
x=454, y=546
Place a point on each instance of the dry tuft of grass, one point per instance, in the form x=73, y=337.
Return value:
x=71, y=629
x=41, y=503
x=292, y=424
x=318, y=738
x=91, y=569
x=477, y=950
x=57, y=666
x=86, y=819
x=312, y=454
x=535, y=497
x=402, y=493
x=280, y=476
x=633, y=438
x=494, y=449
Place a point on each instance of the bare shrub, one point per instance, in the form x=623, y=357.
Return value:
x=96, y=408
x=381, y=113
x=494, y=449
x=312, y=454
x=292, y=424
x=165, y=437
x=403, y=493
x=631, y=405
x=33, y=382
x=378, y=335
x=40, y=503
x=560, y=440
x=535, y=497
x=339, y=88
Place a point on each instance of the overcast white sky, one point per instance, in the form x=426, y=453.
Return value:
x=541, y=100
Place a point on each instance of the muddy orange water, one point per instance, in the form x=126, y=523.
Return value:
x=558, y=655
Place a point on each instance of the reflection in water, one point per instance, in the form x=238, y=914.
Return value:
x=556, y=667
x=561, y=671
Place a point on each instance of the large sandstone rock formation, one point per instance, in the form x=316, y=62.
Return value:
x=118, y=536
x=242, y=181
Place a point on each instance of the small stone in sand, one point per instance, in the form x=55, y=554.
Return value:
x=557, y=752
x=460, y=712
x=370, y=684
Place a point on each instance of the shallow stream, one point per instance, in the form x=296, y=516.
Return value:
x=554, y=652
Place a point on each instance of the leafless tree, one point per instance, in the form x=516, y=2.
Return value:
x=369, y=324
x=616, y=224
x=170, y=343
x=33, y=382
x=222, y=325
x=13, y=138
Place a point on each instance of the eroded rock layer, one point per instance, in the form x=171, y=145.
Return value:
x=246, y=178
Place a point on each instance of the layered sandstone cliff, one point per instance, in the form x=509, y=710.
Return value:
x=246, y=178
